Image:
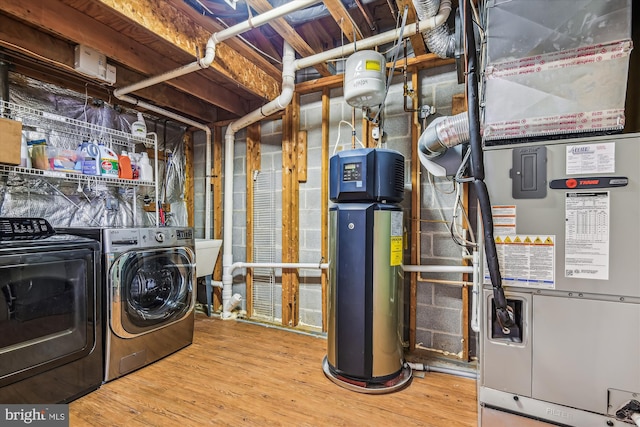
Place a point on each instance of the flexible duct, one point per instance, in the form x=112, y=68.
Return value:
x=439, y=40
x=443, y=133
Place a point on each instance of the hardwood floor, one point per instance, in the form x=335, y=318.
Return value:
x=237, y=373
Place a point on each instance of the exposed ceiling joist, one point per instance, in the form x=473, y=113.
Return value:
x=287, y=32
x=344, y=20
x=53, y=17
x=51, y=59
x=235, y=43
x=417, y=42
x=167, y=22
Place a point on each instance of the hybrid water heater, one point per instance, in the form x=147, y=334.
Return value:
x=364, y=346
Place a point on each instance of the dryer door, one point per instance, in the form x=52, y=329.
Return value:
x=150, y=289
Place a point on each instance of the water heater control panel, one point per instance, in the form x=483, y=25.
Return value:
x=365, y=175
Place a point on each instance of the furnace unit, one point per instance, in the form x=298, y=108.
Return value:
x=364, y=348
x=569, y=247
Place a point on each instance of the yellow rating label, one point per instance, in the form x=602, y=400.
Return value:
x=396, y=250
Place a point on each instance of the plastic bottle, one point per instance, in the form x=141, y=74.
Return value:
x=135, y=170
x=146, y=171
x=91, y=164
x=124, y=166
x=25, y=158
x=108, y=162
x=139, y=127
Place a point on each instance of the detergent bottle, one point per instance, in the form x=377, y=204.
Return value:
x=124, y=166
x=91, y=164
x=108, y=162
x=146, y=170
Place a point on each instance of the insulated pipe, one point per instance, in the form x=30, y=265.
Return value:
x=185, y=120
x=348, y=49
x=278, y=104
x=504, y=314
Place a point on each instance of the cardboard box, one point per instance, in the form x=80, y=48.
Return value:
x=10, y=138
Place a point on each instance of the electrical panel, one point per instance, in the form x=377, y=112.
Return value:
x=92, y=63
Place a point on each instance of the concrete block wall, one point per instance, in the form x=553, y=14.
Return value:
x=439, y=306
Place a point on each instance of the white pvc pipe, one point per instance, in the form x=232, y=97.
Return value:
x=477, y=284
x=438, y=268
x=475, y=290
x=261, y=19
x=310, y=265
x=218, y=37
x=205, y=62
x=474, y=269
x=377, y=40
x=185, y=120
x=278, y=104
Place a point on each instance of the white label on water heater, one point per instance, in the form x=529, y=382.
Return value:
x=586, y=231
x=396, y=239
x=591, y=158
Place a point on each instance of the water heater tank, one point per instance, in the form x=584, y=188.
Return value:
x=364, y=79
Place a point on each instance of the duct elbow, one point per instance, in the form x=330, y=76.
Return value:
x=444, y=133
x=437, y=36
x=440, y=41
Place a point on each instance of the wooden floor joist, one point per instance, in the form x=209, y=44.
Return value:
x=242, y=374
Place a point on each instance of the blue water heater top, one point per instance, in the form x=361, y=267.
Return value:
x=366, y=174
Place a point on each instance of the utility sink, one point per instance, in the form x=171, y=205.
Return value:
x=206, y=255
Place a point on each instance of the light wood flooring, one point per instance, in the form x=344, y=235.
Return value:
x=238, y=373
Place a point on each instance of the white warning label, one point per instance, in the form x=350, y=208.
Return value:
x=525, y=261
x=587, y=235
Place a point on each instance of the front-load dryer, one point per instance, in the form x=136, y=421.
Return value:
x=149, y=283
